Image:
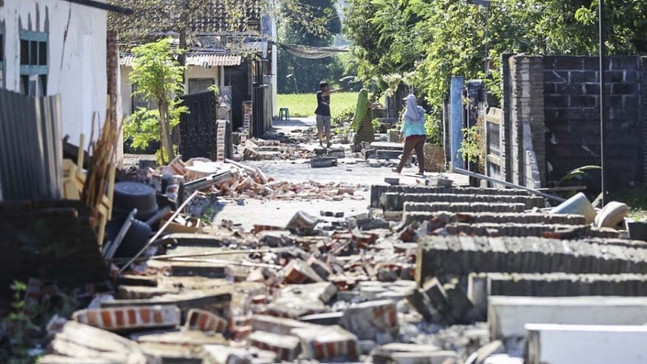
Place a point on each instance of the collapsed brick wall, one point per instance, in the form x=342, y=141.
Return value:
x=570, y=109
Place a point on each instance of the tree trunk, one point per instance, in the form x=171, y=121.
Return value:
x=167, y=144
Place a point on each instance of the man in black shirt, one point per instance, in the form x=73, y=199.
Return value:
x=323, y=112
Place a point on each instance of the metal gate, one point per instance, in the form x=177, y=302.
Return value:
x=198, y=129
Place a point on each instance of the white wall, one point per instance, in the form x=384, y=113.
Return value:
x=201, y=72
x=191, y=72
x=77, y=63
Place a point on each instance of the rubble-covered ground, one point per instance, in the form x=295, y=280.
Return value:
x=300, y=264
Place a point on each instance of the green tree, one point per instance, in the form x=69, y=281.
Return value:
x=303, y=75
x=158, y=77
x=440, y=38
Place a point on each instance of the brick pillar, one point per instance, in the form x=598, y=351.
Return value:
x=526, y=108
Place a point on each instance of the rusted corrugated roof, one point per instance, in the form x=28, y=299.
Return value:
x=203, y=60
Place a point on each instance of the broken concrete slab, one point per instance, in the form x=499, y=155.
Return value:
x=328, y=343
x=323, y=162
x=276, y=325
x=566, y=344
x=298, y=301
x=508, y=315
x=186, y=338
x=302, y=223
x=378, y=191
x=221, y=354
x=322, y=291
x=461, y=255
x=299, y=272
x=463, y=207
x=286, y=347
x=82, y=341
x=130, y=317
x=491, y=217
x=326, y=318
x=372, y=320
x=395, y=201
x=483, y=285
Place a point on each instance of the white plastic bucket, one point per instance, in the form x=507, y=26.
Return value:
x=577, y=205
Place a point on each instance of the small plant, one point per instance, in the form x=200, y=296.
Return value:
x=215, y=89
x=376, y=124
x=471, y=146
x=343, y=117
x=433, y=129
x=20, y=329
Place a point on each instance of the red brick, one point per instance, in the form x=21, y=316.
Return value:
x=205, y=321
x=129, y=318
x=287, y=348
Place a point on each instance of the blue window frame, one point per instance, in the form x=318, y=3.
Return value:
x=33, y=62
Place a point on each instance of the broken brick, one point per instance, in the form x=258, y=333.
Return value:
x=129, y=317
x=202, y=320
x=287, y=348
x=328, y=343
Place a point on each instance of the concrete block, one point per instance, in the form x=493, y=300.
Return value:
x=507, y=316
x=323, y=162
x=372, y=320
x=327, y=343
x=129, y=318
x=591, y=344
x=287, y=348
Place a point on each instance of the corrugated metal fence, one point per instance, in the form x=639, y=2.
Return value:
x=31, y=147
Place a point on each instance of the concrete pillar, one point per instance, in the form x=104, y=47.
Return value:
x=456, y=123
x=507, y=316
x=566, y=344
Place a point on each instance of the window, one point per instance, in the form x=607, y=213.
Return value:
x=197, y=85
x=33, y=63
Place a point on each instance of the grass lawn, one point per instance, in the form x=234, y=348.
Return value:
x=305, y=104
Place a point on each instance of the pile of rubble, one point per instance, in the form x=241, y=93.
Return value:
x=395, y=285
x=235, y=180
x=259, y=149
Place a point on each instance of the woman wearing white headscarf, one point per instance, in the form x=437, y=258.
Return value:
x=414, y=134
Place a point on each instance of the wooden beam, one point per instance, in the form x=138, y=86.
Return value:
x=102, y=6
